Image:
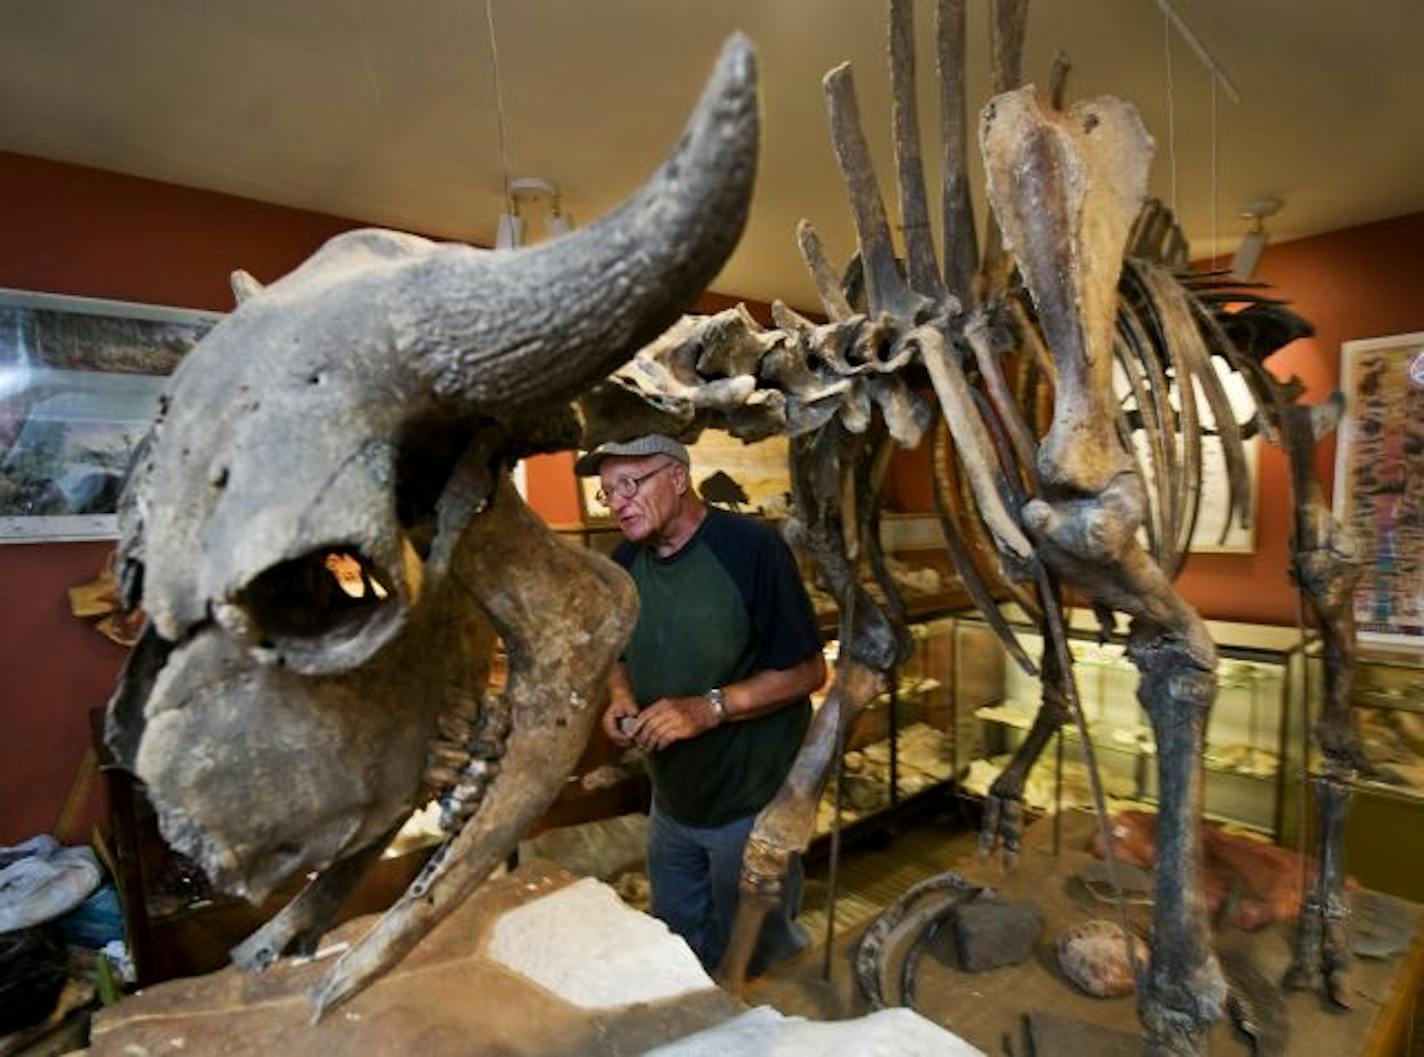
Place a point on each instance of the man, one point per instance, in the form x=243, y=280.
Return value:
x=713, y=685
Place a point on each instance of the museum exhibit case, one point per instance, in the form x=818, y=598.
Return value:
x=1262, y=679
x=1387, y=703
x=897, y=753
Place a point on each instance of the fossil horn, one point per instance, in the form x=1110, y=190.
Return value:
x=540, y=324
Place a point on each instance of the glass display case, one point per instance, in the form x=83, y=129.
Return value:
x=900, y=749
x=1261, y=680
x=899, y=754
x=1387, y=700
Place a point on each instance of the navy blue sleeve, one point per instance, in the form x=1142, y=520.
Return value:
x=764, y=570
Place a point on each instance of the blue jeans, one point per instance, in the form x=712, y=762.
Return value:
x=694, y=874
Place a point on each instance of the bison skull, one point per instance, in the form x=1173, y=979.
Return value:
x=358, y=415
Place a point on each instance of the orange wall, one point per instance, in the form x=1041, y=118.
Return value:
x=1362, y=282
x=73, y=230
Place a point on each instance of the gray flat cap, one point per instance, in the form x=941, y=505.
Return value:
x=652, y=444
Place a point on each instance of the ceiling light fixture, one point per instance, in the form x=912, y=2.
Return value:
x=1248, y=254
x=511, y=231
x=531, y=189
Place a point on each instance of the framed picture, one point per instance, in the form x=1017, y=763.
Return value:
x=1379, y=483
x=751, y=478
x=1214, y=532
x=79, y=385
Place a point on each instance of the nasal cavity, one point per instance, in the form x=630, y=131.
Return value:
x=331, y=592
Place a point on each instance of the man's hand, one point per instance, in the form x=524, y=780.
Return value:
x=671, y=719
x=626, y=710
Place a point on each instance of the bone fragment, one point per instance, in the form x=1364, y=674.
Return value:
x=886, y=292
x=975, y=446
x=1071, y=179
x=828, y=287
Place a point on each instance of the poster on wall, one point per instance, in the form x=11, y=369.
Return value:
x=1379, y=483
x=750, y=478
x=1218, y=528
x=79, y=385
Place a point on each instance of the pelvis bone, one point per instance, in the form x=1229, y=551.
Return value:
x=322, y=533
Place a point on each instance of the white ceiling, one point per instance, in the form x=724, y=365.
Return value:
x=383, y=110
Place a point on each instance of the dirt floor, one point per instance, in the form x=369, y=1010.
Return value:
x=988, y=1008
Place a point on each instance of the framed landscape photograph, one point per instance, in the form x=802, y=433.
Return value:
x=1379, y=484
x=79, y=385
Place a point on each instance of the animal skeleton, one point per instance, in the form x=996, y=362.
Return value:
x=366, y=405
x=1067, y=188
x=365, y=408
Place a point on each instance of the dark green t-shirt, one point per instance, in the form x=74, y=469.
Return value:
x=727, y=605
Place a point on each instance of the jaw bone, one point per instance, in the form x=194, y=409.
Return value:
x=564, y=615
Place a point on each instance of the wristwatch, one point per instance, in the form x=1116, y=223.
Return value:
x=718, y=701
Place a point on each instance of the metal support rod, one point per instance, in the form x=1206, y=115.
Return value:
x=894, y=737
x=833, y=880
x=1194, y=42
x=1058, y=794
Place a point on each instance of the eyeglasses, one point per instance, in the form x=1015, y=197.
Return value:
x=627, y=487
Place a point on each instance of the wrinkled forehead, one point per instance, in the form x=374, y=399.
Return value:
x=612, y=467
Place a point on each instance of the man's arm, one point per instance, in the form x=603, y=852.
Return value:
x=674, y=719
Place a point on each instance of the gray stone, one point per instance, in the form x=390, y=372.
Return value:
x=989, y=934
x=1054, y=1035
x=1094, y=956
x=1382, y=925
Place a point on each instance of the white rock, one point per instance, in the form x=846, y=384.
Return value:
x=585, y=945
x=766, y=1033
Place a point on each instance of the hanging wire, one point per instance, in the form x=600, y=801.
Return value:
x=1215, y=247
x=1171, y=107
x=499, y=108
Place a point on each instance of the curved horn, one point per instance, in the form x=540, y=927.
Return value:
x=244, y=285
x=508, y=330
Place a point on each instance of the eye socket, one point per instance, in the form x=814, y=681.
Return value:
x=330, y=594
x=429, y=451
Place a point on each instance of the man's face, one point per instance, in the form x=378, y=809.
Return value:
x=653, y=507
